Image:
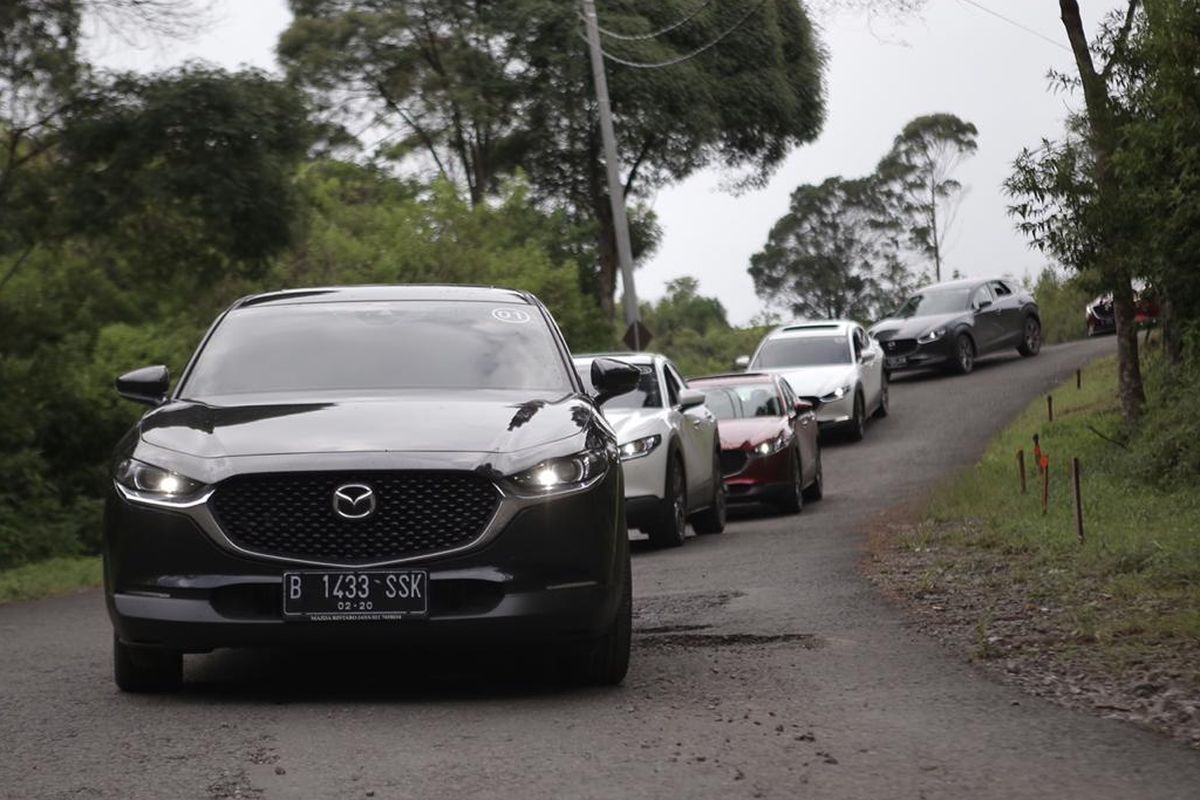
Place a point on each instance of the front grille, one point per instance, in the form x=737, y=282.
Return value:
x=291, y=515
x=733, y=461
x=895, y=348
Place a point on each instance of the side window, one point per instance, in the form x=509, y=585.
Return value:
x=982, y=295
x=674, y=384
x=789, y=397
x=857, y=339
x=1001, y=289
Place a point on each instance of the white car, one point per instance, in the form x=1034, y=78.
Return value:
x=670, y=451
x=832, y=364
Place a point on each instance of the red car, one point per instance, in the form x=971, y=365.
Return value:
x=769, y=447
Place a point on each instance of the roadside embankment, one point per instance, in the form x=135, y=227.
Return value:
x=1109, y=621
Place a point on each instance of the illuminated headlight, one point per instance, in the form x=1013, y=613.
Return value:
x=640, y=448
x=932, y=336
x=838, y=394
x=561, y=475
x=773, y=446
x=148, y=482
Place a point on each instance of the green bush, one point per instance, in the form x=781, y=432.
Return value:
x=1063, y=303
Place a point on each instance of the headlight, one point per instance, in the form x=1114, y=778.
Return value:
x=561, y=475
x=148, y=482
x=838, y=394
x=932, y=336
x=640, y=448
x=773, y=446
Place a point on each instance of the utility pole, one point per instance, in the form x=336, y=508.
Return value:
x=616, y=191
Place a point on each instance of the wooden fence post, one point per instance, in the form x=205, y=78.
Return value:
x=1078, y=499
x=1021, y=467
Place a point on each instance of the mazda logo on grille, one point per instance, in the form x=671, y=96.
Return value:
x=354, y=501
x=891, y=345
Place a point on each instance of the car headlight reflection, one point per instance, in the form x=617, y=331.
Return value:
x=932, y=336
x=773, y=446
x=561, y=475
x=837, y=394
x=148, y=482
x=640, y=448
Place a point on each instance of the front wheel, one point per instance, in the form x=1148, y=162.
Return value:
x=884, y=400
x=793, y=500
x=142, y=670
x=1031, y=340
x=712, y=519
x=605, y=661
x=816, y=489
x=670, y=527
x=964, y=354
x=856, y=429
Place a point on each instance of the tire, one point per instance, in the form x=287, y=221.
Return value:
x=1031, y=338
x=670, y=524
x=144, y=670
x=884, y=400
x=605, y=661
x=964, y=355
x=856, y=428
x=793, y=501
x=816, y=490
x=712, y=519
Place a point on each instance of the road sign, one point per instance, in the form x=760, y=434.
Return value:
x=638, y=337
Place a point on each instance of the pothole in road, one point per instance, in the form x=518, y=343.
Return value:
x=671, y=613
x=717, y=640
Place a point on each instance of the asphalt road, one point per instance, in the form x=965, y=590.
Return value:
x=764, y=666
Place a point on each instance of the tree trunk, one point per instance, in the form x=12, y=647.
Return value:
x=1133, y=395
x=1103, y=141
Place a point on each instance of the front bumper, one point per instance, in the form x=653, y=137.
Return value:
x=552, y=574
x=911, y=354
x=836, y=412
x=762, y=479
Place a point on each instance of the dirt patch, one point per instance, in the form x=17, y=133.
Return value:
x=1034, y=630
x=716, y=640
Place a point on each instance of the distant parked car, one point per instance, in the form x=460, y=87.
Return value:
x=1101, y=319
x=669, y=450
x=833, y=365
x=770, y=451
x=954, y=324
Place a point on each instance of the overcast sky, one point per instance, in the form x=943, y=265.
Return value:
x=955, y=57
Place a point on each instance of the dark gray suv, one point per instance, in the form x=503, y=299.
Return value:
x=372, y=466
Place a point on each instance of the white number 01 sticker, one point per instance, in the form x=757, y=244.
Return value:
x=513, y=316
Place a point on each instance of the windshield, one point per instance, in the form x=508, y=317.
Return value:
x=740, y=402
x=648, y=393
x=386, y=347
x=808, y=351
x=926, y=304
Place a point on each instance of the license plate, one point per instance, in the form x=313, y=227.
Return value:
x=896, y=363
x=358, y=596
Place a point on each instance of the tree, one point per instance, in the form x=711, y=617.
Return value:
x=1072, y=200
x=477, y=91
x=835, y=254
x=920, y=170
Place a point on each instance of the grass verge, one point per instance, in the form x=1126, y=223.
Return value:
x=1111, y=622
x=47, y=578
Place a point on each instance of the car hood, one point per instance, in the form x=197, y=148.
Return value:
x=817, y=381
x=463, y=422
x=738, y=434
x=634, y=423
x=915, y=327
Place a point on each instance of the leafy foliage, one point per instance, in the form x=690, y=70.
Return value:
x=920, y=171
x=695, y=332
x=835, y=255
x=476, y=92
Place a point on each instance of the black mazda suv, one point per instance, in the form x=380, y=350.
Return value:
x=370, y=467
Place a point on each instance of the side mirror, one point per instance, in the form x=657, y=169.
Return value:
x=742, y=362
x=983, y=304
x=690, y=398
x=612, y=378
x=146, y=385
x=804, y=407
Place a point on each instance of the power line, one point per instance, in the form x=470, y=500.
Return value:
x=679, y=60
x=1016, y=24
x=662, y=32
